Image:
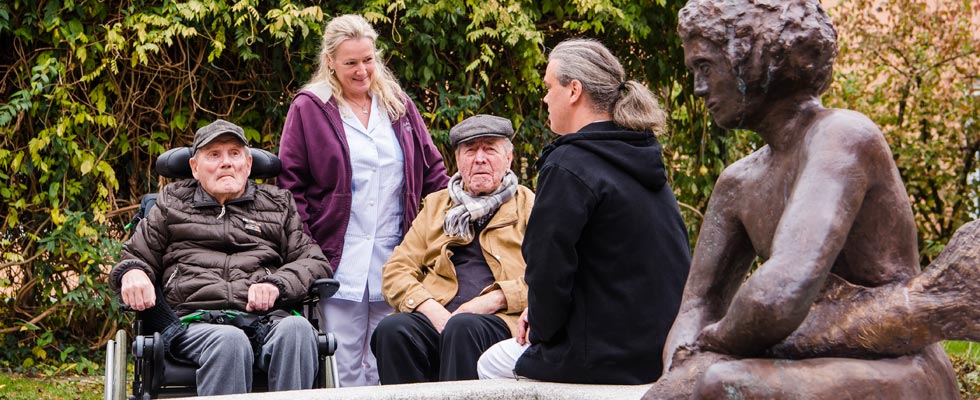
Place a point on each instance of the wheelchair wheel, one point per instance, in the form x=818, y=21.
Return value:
x=115, y=367
x=326, y=376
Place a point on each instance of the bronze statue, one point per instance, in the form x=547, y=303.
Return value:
x=837, y=307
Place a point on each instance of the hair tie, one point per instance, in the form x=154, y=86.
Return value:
x=622, y=86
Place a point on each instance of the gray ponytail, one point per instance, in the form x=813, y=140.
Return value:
x=631, y=104
x=638, y=109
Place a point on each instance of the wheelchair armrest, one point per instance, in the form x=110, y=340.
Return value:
x=137, y=324
x=322, y=289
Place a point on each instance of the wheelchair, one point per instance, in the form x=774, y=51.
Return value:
x=157, y=374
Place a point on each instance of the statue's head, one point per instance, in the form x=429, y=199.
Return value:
x=787, y=46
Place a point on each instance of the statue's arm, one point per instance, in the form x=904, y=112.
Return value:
x=819, y=213
x=722, y=256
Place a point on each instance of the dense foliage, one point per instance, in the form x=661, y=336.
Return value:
x=93, y=91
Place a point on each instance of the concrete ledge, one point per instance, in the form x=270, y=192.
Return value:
x=504, y=389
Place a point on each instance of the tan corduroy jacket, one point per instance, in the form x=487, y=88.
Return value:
x=420, y=268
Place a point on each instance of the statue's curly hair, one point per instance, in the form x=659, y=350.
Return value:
x=793, y=42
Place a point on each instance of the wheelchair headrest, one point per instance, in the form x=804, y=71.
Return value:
x=174, y=163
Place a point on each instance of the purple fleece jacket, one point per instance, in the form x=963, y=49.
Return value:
x=316, y=168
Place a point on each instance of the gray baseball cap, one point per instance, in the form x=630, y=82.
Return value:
x=219, y=127
x=480, y=125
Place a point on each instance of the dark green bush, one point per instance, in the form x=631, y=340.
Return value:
x=93, y=91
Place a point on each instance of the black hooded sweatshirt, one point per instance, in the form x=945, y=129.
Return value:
x=607, y=257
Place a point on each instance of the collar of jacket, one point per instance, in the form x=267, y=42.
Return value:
x=204, y=199
x=322, y=96
x=601, y=130
x=328, y=103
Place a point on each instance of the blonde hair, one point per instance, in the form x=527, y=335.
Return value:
x=631, y=104
x=383, y=83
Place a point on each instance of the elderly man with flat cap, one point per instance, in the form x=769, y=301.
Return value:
x=456, y=282
x=221, y=243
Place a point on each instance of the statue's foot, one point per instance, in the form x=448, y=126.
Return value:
x=951, y=286
x=683, y=377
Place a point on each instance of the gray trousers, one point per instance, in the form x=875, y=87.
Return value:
x=225, y=356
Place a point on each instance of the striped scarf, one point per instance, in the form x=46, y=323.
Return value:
x=466, y=208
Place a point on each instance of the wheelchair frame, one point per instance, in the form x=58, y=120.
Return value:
x=150, y=380
x=150, y=363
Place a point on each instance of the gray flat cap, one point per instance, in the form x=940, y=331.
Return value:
x=480, y=125
x=211, y=131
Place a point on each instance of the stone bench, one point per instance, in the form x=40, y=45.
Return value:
x=504, y=389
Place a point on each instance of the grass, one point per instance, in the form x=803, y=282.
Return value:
x=967, y=350
x=966, y=361
x=14, y=386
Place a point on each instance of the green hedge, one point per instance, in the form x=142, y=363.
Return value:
x=94, y=91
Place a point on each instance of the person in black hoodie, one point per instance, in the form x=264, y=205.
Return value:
x=606, y=248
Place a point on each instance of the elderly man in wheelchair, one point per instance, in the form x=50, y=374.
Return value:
x=218, y=268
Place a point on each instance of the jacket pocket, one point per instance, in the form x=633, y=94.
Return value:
x=330, y=220
x=171, y=288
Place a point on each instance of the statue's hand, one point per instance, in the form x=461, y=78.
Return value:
x=683, y=353
x=709, y=340
x=689, y=365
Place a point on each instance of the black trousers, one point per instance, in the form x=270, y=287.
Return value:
x=409, y=349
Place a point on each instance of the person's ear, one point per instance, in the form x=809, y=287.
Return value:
x=574, y=91
x=193, y=163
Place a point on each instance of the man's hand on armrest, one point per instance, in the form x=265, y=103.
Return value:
x=261, y=297
x=137, y=290
x=435, y=312
x=488, y=303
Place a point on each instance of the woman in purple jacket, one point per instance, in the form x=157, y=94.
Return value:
x=358, y=160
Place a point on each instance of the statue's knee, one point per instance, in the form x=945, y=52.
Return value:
x=720, y=381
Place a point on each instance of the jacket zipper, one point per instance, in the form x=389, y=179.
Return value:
x=225, y=273
x=172, y=275
x=176, y=288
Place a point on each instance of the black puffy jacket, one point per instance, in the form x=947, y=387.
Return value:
x=207, y=255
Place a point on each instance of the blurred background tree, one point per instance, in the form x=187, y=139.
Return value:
x=93, y=91
x=914, y=68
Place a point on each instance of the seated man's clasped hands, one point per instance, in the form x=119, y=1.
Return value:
x=222, y=242
x=456, y=281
